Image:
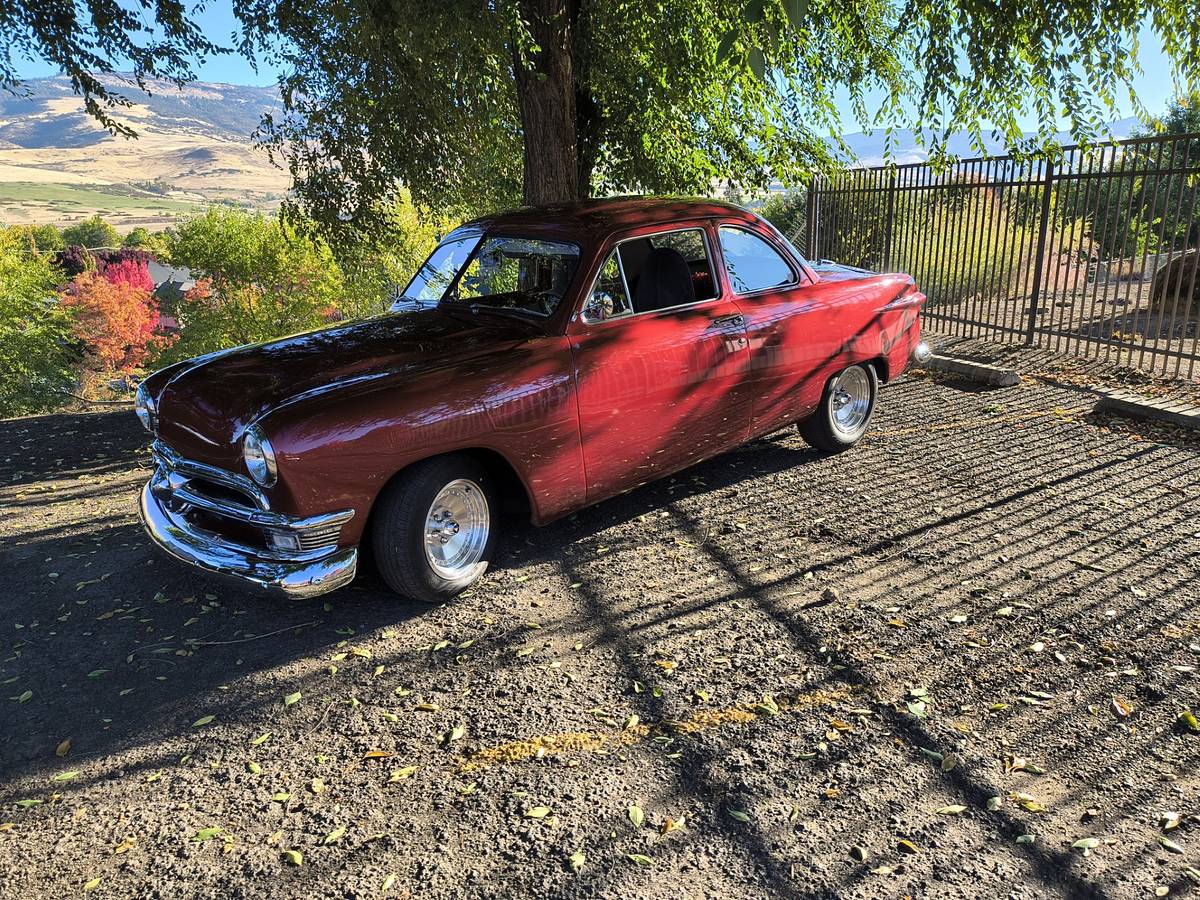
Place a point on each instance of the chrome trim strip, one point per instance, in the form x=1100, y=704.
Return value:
x=167, y=457
x=162, y=486
x=295, y=578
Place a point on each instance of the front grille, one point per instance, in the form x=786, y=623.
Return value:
x=316, y=538
x=231, y=506
x=222, y=493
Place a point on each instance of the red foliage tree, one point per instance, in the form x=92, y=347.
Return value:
x=134, y=272
x=118, y=321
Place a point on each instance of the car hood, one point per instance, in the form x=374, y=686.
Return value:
x=204, y=408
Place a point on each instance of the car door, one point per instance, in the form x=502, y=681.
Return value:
x=660, y=384
x=787, y=324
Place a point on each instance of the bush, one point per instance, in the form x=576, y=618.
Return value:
x=786, y=211
x=75, y=259
x=139, y=237
x=43, y=238
x=37, y=350
x=91, y=233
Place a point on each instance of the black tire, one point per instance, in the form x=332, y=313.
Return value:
x=820, y=430
x=398, y=531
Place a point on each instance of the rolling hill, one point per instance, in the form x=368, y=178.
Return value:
x=194, y=147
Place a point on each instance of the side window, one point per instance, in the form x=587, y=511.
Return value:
x=752, y=263
x=668, y=269
x=609, y=298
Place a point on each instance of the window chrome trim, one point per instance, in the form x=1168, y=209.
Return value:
x=616, y=245
x=797, y=278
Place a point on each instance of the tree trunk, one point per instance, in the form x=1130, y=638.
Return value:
x=546, y=93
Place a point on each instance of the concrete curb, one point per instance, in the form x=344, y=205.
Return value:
x=1126, y=403
x=975, y=371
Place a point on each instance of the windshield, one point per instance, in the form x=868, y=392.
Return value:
x=515, y=274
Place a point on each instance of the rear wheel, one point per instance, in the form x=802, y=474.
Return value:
x=434, y=528
x=847, y=405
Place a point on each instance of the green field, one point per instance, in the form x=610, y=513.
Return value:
x=71, y=201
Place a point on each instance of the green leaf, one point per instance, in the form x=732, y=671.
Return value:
x=726, y=46
x=953, y=810
x=65, y=776
x=758, y=63
x=203, y=720
x=289, y=699
x=636, y=816
x=576, y=861
x=538, y=812
x=1168, y=844
x=739, y=815
x=294, y=857
x=207, y=834
x=91, y=885
x=334, y=836
x=796, y=11
x=1087, y=843
x=640, y=859
x=261, y=739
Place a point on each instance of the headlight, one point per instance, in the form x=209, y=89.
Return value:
x=143, y=405
x=259, y=456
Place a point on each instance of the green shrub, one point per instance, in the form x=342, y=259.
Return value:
x=91, y=233
x=37, y=350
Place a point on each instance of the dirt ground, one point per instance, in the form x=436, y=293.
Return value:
x=949, y=663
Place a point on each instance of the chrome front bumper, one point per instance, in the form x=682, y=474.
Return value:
x=176, y=493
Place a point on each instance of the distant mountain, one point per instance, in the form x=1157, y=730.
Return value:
x=194, y=146
x=52, y=115
x=870, y=149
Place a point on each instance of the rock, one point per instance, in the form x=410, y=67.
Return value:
x=831, y=595
x=1169, y=289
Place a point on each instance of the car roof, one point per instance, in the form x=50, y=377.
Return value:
x=599, y=218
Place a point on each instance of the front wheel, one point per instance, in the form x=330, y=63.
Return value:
x=847, y=405
x=434, y=528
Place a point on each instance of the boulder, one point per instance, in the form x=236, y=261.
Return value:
x=1174, y=280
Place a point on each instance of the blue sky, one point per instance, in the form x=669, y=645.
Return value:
x=1153, y=87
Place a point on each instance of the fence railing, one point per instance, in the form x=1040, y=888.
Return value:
x=1093, y=252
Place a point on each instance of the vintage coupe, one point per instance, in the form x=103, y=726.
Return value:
x=543, y=360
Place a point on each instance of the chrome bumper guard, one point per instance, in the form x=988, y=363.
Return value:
x=299, y=557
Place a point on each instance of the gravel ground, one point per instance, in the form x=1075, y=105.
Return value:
x=927, y=667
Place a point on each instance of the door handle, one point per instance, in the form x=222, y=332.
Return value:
x=733, y=321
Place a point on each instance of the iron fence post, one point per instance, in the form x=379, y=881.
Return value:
x=1043, y=227
x=810, y=231
x=889, y=226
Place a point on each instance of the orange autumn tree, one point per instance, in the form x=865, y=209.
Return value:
x=117, y=321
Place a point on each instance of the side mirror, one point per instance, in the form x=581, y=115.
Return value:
x=598, y=308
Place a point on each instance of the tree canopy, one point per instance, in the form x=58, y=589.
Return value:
x=472, y=104
x=87, y=38
x=91, y=233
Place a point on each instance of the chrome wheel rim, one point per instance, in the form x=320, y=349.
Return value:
x=850, y=401
x=456, y=529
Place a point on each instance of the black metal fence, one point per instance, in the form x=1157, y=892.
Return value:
x=1094, y=252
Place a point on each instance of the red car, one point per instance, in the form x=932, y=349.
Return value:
x=543, y=359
